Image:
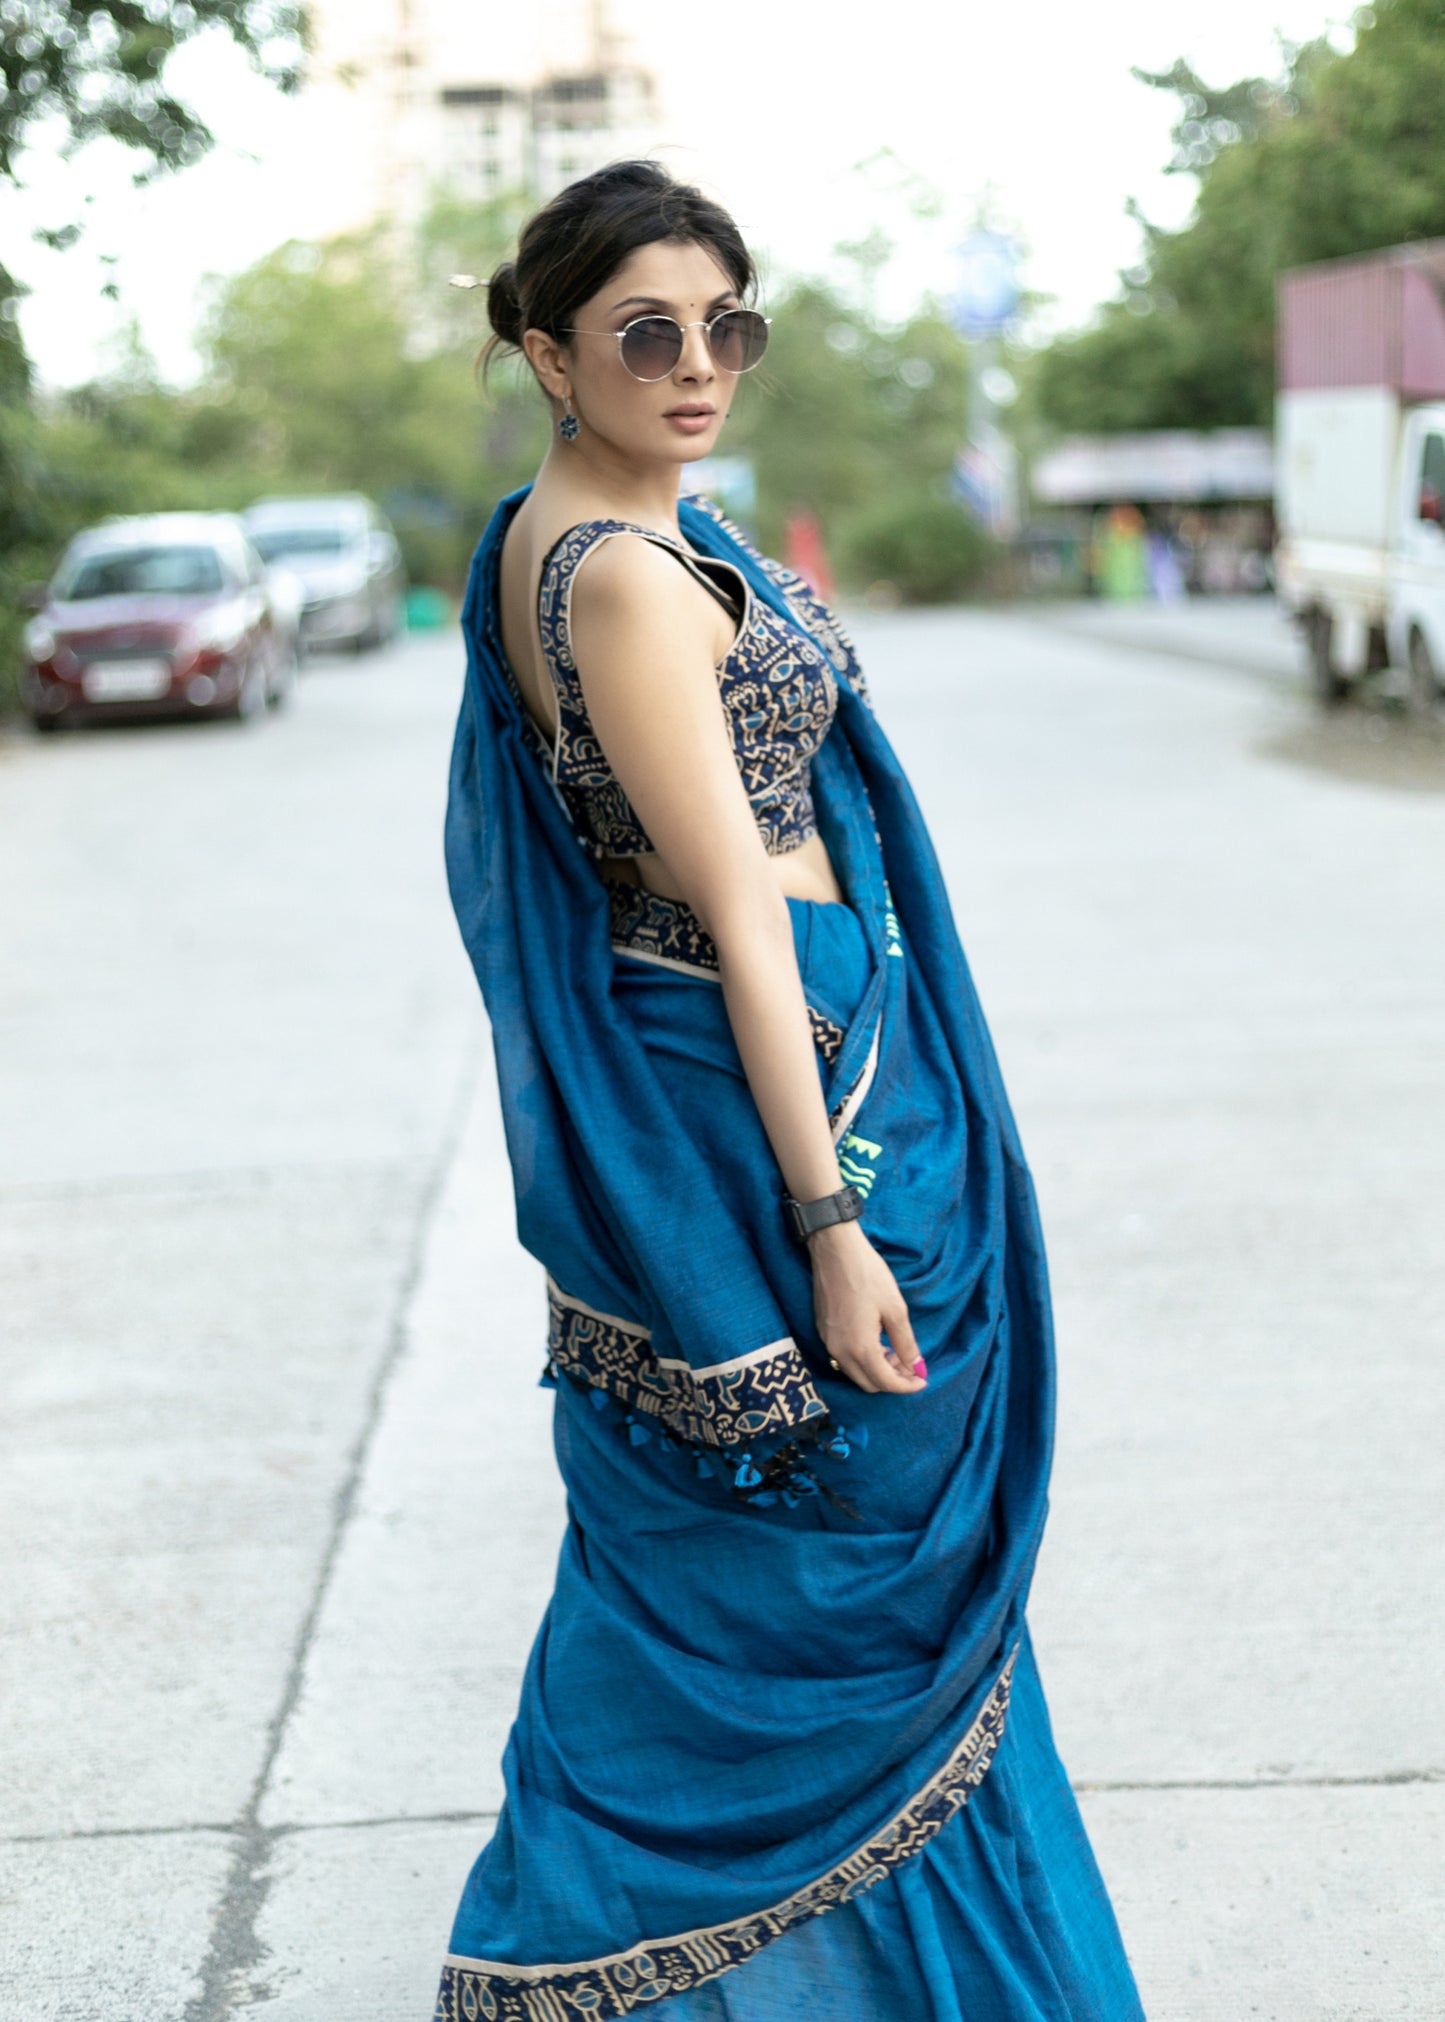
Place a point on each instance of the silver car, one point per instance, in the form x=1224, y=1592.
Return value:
x=342, y=555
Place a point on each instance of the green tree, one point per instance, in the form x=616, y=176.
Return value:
x=309, y=349
x=124, y=443
x=22, y=521
x=1340, y=155
x=926, y=550
x=96, y=68
x=500, y=417
x=350, y=365
x=83, y=70
x=848, y=415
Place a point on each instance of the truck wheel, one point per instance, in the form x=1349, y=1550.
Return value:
x=1326, y=679
x=1425, y=689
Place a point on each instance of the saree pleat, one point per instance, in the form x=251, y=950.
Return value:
x=1003, y=1918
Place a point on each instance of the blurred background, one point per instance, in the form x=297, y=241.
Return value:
x=1023, y=298
x=1106, y=392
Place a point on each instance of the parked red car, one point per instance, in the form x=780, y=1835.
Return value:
x=162, y=616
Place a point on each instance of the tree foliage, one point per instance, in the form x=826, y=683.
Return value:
x=345, y=366
x=927, y=550
x=78, y=71
x=847, y=412
x=96, y=69
x=1342, y=154
x=22, y=520
x=350, y=364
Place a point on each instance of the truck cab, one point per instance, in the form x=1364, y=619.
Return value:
x=1415, y=619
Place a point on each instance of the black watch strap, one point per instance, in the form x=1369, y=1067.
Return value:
x=808, y=1217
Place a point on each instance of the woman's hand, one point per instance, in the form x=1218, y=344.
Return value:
x=857, y=1300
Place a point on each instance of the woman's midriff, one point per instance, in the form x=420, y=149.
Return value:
x=804, y=873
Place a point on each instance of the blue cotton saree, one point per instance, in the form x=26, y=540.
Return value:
x=781, y=1748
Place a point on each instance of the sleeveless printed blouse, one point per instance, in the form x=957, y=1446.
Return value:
x=776, y=684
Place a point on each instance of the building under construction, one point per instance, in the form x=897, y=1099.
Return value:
x=411, y=99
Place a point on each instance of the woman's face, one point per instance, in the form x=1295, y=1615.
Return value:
x=676, y=419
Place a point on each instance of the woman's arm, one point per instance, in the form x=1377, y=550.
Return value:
x=644, y=638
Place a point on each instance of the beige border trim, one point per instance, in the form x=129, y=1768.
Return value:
x=754, y=1355
x=778, y=1913
x=593, y=1313
x=666, y=962
x=860, y=1089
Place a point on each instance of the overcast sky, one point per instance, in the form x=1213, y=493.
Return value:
x=771, y=102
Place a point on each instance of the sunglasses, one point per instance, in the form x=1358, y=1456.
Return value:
x=650, y=346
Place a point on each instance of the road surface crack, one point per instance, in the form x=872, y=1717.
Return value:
x=236, y=1954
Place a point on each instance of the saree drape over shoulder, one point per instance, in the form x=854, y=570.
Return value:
x=781, y=1749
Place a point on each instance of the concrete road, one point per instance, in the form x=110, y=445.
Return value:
x=277, y=1489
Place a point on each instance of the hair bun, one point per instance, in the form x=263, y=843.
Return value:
x=504, y=304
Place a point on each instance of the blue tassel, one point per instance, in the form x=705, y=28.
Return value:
x=860, y=1437
x=747, y=1476
x=597, y=1399
x=838, y=1445
x=790, y=1499
x=638, y=1434
x=666, y=1441
x=802, y=1484
x=763, y=1501
x=704, y=1465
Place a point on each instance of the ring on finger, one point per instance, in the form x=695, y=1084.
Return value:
x=834, y=1364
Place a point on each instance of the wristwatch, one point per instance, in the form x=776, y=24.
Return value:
x=807, y=1217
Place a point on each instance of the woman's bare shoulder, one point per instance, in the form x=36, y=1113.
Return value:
x=630, y=581
x=639, y=616
x=625, y=560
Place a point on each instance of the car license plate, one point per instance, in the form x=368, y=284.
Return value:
x=125, y=680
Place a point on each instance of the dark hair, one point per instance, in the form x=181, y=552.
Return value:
x=573, y=245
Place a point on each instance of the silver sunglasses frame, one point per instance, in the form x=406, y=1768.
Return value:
x=700, y=324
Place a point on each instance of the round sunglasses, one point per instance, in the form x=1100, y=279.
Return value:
x=650, y=346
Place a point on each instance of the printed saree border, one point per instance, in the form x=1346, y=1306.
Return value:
x=602, y=1990
x=666, y=932
x=843, y=1117
x=767, y=1390
x=652, y=928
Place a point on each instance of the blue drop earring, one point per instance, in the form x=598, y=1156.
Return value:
x=569, y=427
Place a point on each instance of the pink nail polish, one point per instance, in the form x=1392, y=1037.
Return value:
x=920, y=1368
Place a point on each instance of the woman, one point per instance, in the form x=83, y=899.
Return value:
x=782, y=1749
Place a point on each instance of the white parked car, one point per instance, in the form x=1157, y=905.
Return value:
x=344, y=556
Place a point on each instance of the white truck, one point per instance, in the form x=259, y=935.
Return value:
x=1360, y=468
